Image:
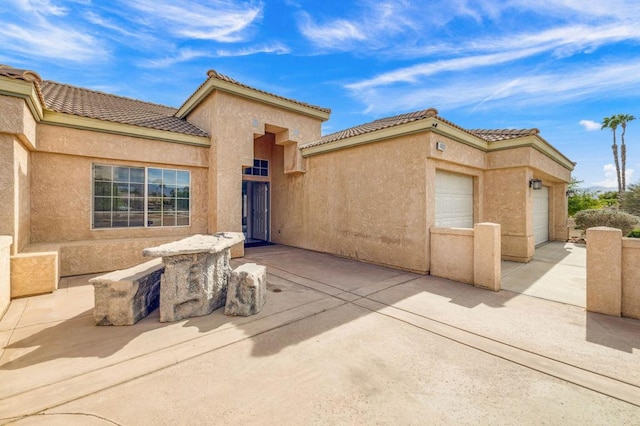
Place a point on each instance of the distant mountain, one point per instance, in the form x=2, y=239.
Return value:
x=600, y=189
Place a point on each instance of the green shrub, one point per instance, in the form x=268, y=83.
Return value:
x=635, y=233
x=586, y=219
x=631, y=199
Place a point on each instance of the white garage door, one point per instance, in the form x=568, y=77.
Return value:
x=541, y=215
x=454, y=200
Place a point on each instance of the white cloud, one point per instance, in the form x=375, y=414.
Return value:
x=610, y=178
x=590, y=125
x=60, y=42
x=219, y=20
x=333, y=34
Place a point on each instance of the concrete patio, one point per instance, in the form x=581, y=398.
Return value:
x=338, y=342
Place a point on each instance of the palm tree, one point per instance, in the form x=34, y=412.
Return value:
x=612, y=123
x=623, y=119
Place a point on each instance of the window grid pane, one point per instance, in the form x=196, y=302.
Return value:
x=260, y=168
x=119, y=198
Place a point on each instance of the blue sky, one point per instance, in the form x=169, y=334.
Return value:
x=557, y=65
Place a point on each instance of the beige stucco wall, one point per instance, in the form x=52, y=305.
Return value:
x=508, y=201
x=352, y=203
x=61, y=196
x=62, y=183
x=613, y=273
x=5, y=274
x=452, y=254
x=234, y=123
x=34, y=273
x=631, y=277
x=16, y=119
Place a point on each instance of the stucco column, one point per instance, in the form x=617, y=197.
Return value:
x=604, y=270
x=486, y=256
x=5, y=275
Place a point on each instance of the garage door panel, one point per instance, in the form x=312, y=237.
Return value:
x=541, y=215
x=454, y=200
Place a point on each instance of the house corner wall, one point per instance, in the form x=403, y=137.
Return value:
x=512, y=212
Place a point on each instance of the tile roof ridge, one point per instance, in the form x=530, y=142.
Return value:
x=25, y=75
x=19, y=73
x=213, y=74
x=111, y=95
x=531, y=131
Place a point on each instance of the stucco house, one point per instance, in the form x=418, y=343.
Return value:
x=89, y=179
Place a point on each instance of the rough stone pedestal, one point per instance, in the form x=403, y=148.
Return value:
x=124, y=297
x=247, y=290
x=196, y=274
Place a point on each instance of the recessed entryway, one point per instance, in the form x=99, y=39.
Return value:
x=255, y=212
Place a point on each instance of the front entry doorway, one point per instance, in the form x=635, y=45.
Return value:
x=255, y=212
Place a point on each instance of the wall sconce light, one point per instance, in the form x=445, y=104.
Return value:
x=535, y=183
x=440, y=146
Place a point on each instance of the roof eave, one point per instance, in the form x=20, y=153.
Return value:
x=539, y=144
x=85, y=123
x=245, y=92
x=25, y=90
x=426, y=124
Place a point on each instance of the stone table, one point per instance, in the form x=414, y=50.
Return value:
x=196, y=274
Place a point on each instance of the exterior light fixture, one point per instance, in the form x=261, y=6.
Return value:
x=535, y=183
x=440, y=146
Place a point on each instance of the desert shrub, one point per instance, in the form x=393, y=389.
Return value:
x=583, y=199
x=631, y=199
x=635, y=233
x=586, y=219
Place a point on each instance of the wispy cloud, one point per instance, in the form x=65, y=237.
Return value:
x=41, y=31
x=187, y=54
x=276, y=48
x=503, y=88
x=590, y=125
x=219, y=20
x=44, y=7
x=335, y=34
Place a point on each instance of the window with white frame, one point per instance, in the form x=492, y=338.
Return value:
x=125, y=197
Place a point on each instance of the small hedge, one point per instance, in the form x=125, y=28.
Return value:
x=586, y=219
x=634, y=234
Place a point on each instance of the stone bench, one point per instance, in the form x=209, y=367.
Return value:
x=246, y=291
x=126, y=296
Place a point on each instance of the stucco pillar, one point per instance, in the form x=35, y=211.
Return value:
x=604, y=270
x=7, y=187
x=486, y=256
x=5, y=274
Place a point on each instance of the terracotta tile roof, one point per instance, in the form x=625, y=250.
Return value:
x=102, y=106
x=383, y=123
x=503, y=134
x=211, y=74
x=379, y=124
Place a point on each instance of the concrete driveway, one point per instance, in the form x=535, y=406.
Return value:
x=341, y=342
x=557, y=272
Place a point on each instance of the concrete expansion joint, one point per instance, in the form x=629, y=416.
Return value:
x=50, y=415
x=579, y=376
